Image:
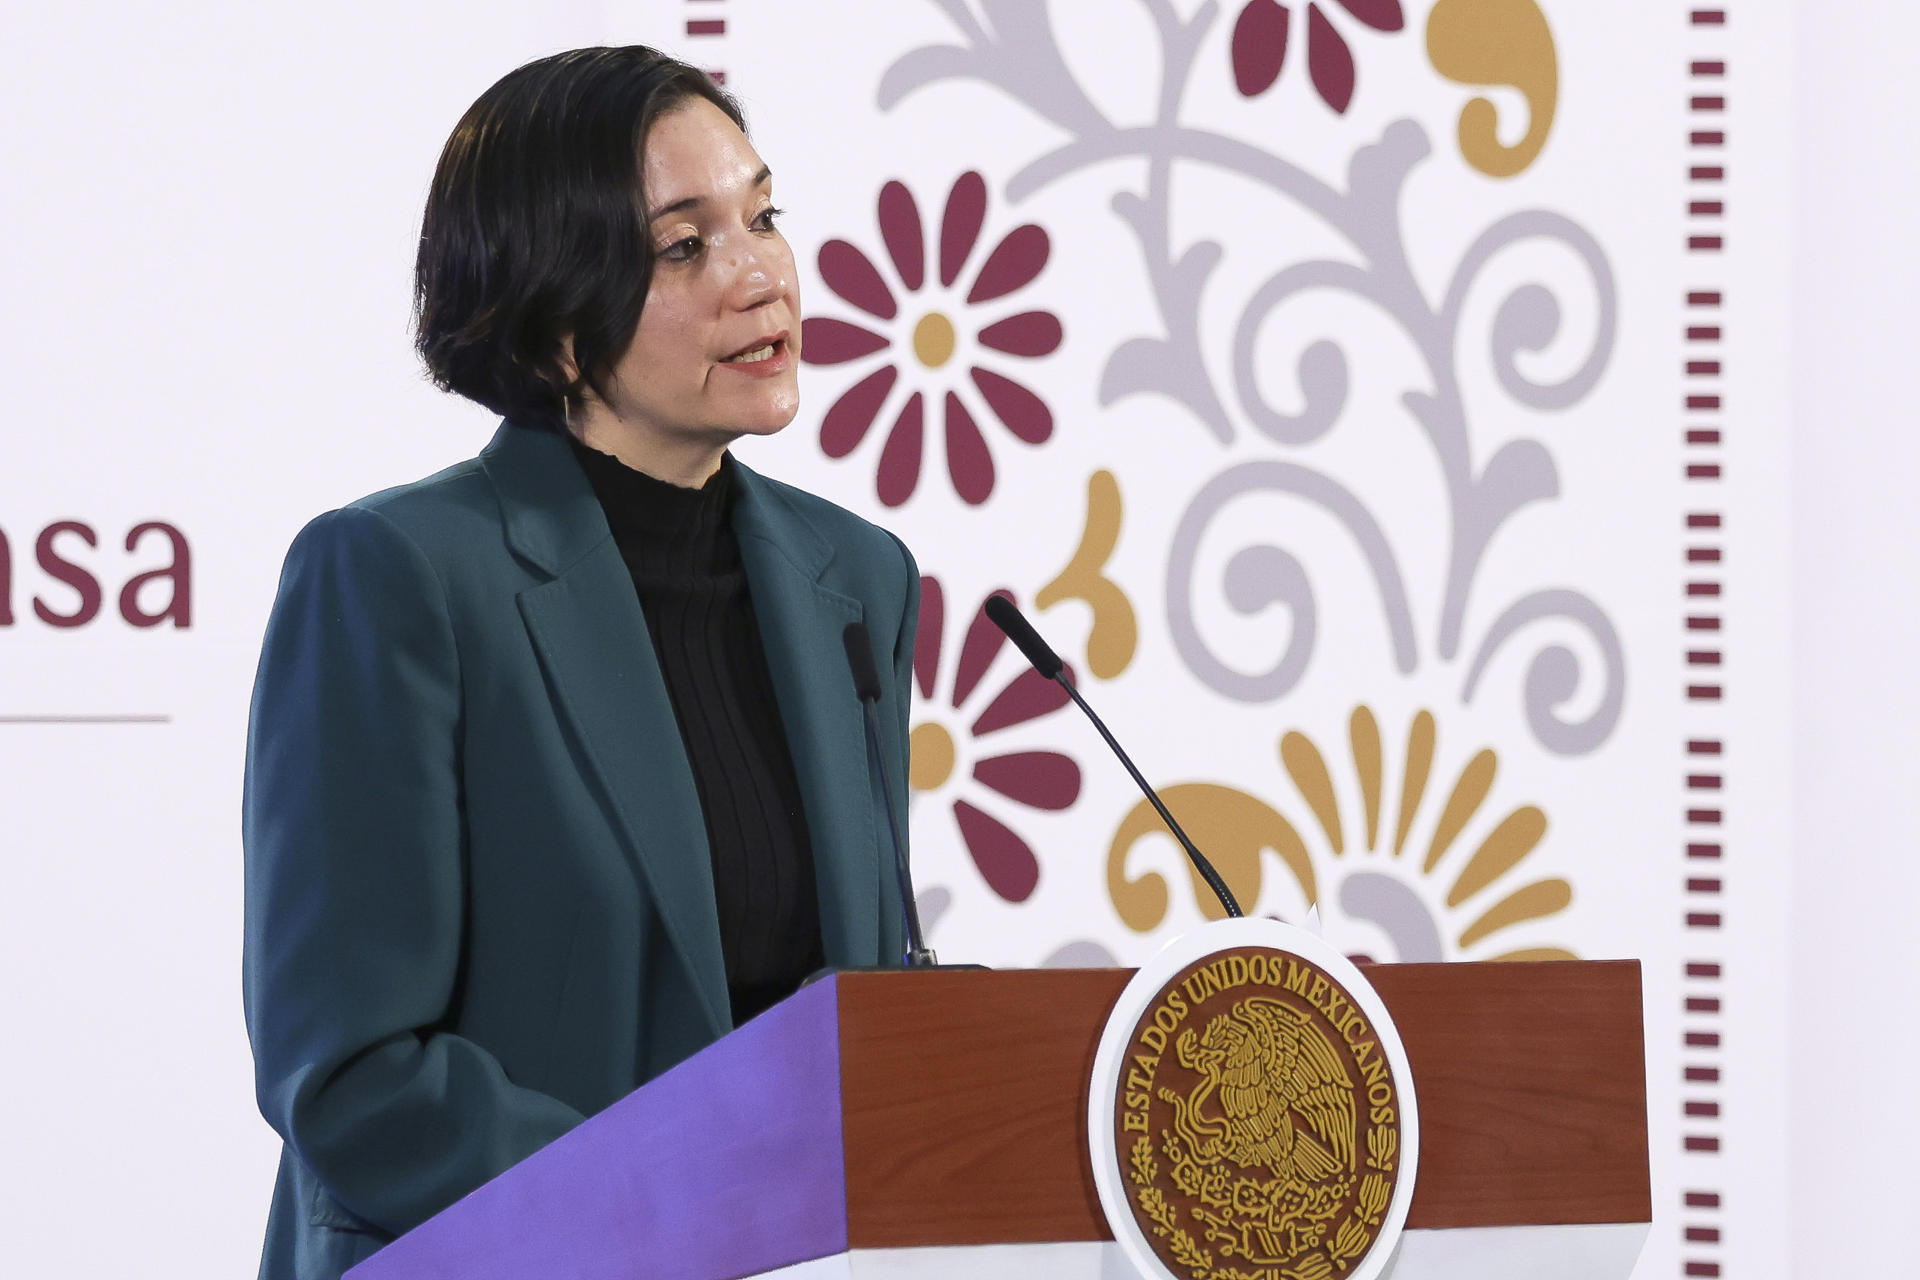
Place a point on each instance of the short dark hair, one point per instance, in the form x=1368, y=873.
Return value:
x=536, y=228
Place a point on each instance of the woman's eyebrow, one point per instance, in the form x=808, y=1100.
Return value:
x=760, y=179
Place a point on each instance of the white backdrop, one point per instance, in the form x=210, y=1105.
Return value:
x=207, y=254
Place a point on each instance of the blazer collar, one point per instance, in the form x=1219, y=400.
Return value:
x=802, y=623
x=552, y=518
x=591, y=635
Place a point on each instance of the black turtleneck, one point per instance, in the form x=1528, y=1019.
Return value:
x=680, y=549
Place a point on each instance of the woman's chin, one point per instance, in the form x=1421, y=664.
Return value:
x=768, y=419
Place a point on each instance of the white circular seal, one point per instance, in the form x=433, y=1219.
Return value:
x=1252, y=1109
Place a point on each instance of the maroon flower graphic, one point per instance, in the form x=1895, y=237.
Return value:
x=925, y=327
x=1037, y=779
x=1260, y=46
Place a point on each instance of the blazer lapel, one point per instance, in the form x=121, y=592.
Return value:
x=591, y=637
x=801, y=623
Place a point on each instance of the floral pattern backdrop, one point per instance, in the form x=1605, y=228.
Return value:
x=1316, y=374
x=937, y=330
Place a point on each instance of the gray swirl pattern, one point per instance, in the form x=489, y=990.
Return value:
x=1012, y=46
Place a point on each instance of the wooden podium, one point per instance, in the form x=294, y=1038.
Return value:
x=934, y=1124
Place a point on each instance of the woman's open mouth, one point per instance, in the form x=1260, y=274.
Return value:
x=766, y=358
x=763, y=359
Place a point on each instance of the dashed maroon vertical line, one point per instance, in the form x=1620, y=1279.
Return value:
x=1704, y=862
x=707, y=21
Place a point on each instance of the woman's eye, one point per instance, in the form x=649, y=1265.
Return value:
x=768, y=216
x=682, y=250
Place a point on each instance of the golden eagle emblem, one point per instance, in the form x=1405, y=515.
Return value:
x=1258, y=1122
x=1284, y=1100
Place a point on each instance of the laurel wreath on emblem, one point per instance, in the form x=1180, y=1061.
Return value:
x=1264, y=1190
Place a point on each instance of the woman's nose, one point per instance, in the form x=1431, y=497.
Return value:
x=757, y=276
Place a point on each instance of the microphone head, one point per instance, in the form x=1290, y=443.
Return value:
x=1009, y=619
x=866, y=679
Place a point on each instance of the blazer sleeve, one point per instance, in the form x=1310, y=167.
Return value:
x=354, y=887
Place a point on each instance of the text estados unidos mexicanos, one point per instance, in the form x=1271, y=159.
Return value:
x=1231, y=973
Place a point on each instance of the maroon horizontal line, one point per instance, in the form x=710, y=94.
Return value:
x=1706, y=208
x=1709, y=17
x=1703, y=781
x=1705, y=244
x=1703, y=520
x=1704, y=298
x=1709, y=1110
x=1702, y=1142
x=1703, y=402
x=1704, y=884
x=1703, y=471
x=1703, y=1039
x=1703, y=435
x=1702, y=1075
x=1706, y=1269
x=1703, y=657
x=1703, y=746
x=706, y=26
x=1705, y=137
x=1702, y=623
x=1703, y=920
x=1703, y=1235
x=1703, y=693
x=1709, y=68
x=1713, y=102
x=1703, y=333
x=1703, y=588
x=1703, y=968
x=1703, y=555
x=1703, y=368
x=1704, y=817
x=1703, y=850
x=1703, y=1199
x=1707, y=172
x=1703, y=1004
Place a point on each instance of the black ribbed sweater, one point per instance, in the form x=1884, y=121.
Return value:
x=680, y=549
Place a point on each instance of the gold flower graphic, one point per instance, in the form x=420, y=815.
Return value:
x=1435, y=904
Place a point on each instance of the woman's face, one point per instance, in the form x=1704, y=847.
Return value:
x=717, y=350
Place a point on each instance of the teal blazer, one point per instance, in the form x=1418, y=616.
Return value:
x=479, y=900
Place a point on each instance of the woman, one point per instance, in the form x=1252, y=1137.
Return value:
x=555, y=771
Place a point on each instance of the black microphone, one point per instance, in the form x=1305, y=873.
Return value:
x=1025, y=638
x=866, y=683
x=1037, y=651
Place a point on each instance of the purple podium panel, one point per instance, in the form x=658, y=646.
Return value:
x=730, y=1164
